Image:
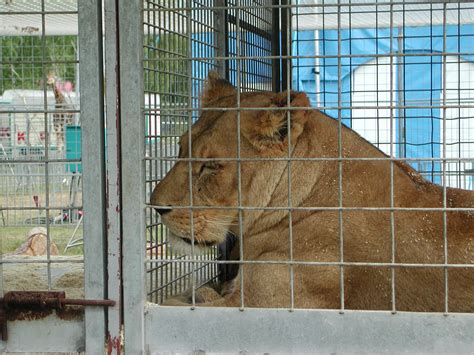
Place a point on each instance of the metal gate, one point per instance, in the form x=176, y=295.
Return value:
x=48, y=182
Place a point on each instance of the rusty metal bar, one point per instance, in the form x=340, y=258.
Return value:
x=82, y=302
x=47, y=299
x=40, y=301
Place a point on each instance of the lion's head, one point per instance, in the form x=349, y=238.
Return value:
x=227, y=128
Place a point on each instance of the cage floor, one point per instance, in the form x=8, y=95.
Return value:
x=65, y=276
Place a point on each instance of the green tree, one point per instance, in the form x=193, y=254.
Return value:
x=22, y=58
x=167, y=67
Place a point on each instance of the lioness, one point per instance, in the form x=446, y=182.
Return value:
x=315, y=234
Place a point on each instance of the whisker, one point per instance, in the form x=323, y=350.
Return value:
x=219, y=223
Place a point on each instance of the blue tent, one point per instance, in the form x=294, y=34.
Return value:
x=417, y=128
x=423, y=76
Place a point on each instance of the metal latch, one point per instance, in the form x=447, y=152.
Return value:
x=40, y=301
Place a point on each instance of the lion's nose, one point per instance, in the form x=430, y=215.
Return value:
x=163, y=211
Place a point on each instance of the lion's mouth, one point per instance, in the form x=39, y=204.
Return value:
x=205, y=243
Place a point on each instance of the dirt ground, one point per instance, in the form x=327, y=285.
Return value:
x=33, y=276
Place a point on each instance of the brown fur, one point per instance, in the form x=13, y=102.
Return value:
x=316, y=234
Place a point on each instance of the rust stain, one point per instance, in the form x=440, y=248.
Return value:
x=107, y=192
x=113, y=344
x=29, y=305
x=71, y=313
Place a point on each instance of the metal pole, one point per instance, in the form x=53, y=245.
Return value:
x=6, y=158
x=92, y=111
x=114, y=236
x=132, y=127
x=285, y=32
x=401, y=97
x=221, y=37
x=276, y=48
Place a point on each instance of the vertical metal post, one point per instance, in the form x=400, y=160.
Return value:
x=114, y=256
x=285, y=32
x=290, y=198
x=1, y=212
x=444, y=180
x=239, y=165
x=6, y=158
x=392, y=154
x=340, y=151
x=317, y=71
x=189, y=33
x=132, y=126
x=276, y=48
x=47, y=166
x=401, y=95
x=92, y=109
x=2, y=83
x=221, y=36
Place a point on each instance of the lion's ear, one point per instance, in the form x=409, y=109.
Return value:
x=269, y=129
x=215, y=89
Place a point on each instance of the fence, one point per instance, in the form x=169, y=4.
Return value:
x=396, y=74
x=392, y=72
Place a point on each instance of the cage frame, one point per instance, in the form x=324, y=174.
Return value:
x=88, y=333
x=149, y=328
x=157, y=328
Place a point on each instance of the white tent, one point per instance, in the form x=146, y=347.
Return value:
x=61, y=15
x=23, y=17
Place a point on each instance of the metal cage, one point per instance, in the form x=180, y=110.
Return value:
x=399, y=73
x=357, y=61
x=51, y=171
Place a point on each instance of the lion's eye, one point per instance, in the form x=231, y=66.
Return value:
x=210, y=167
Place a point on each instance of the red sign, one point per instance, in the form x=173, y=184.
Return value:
x=21, y=136
x=4, y=132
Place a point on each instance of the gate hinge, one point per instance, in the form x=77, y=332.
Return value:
x=40, y=301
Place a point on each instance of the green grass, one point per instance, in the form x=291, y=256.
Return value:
x=12, y=237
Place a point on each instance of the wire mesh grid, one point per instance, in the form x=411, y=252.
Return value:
x=172, y=83
x=397, y=73
x=255, y=40
x=40, y=148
